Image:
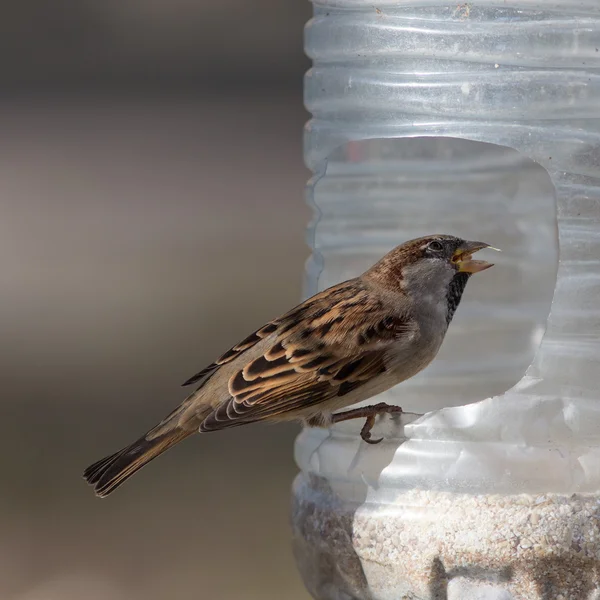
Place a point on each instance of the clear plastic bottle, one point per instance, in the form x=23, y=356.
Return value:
x=480, y=119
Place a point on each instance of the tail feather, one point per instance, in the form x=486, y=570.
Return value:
x=108, y=474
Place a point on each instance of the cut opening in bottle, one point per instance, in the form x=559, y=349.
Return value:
x=378, y=193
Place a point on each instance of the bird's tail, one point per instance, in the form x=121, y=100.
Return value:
x=108, y=474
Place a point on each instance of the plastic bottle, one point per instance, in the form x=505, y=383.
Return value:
x=478, y=119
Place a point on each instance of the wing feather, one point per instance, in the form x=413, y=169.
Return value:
x=231, y=354
x=326, y=347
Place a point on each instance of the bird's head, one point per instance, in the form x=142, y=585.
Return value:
x=429, y=265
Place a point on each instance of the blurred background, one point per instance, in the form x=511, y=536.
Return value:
x=152, y=214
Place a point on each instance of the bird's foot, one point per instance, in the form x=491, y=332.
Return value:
x=369, y=413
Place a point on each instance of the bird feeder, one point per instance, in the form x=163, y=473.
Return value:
x=480, y=120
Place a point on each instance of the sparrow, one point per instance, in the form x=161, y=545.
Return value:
x=340, y=347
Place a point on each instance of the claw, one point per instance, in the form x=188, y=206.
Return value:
x=370, y=441
x=369, y=413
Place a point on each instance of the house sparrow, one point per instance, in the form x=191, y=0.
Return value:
x=342, y=346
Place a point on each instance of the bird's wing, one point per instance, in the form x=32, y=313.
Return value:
x=315, y=307
x=326, y=347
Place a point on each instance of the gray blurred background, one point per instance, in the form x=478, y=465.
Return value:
x=152, y=214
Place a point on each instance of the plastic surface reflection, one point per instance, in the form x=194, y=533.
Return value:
x=496, y=500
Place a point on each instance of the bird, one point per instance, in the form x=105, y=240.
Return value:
x=340, y=347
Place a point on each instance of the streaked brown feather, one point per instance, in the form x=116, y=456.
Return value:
x=313, y=356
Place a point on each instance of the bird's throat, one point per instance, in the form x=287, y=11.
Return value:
x=455, y=292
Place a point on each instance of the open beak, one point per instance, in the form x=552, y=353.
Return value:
x=462, y=257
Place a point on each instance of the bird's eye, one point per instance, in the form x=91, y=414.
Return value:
x=436, y=246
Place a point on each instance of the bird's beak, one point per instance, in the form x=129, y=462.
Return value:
x=462, y=257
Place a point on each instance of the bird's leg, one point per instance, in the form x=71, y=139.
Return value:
x=369, y=413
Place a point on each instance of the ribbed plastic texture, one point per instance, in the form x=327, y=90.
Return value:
x=497, y=498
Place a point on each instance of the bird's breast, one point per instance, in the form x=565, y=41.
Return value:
x=406, y=359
